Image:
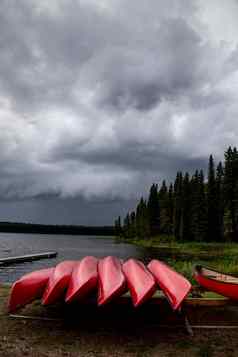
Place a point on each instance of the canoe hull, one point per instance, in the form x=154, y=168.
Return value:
x=112, y=282
x=140, y=281
x=174, y=285
x=226, y=289
x=58, y=282
x=29, y=288
x=83, y=280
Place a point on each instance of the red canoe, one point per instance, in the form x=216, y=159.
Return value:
x=174, y=285
x=58, y=282
x=112, y=282
x=30, y=287
x=224, y=284
x=140, y=281
x=83, y=279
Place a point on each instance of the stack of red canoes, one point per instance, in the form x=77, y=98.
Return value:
x=109, y=278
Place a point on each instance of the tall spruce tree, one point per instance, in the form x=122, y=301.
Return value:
x=145, y=219
x=118, y=227
x=202, y=208
x=153, y=210
x=132, y=227
x=185, y=226
x=178, y=187
x=171, y=209
x=231, y=190
x=198, y=207
x=126, y=226
x=163, y=204
x=212, y=203
x=142, y=220
x=220, y=201
x=139, y=223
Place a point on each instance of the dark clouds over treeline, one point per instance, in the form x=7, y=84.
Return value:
x=98, y=99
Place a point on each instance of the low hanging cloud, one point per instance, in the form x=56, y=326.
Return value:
x=100, y=99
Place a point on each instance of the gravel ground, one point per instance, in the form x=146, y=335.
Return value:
x=113, y=331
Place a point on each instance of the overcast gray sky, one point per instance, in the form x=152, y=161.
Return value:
x=99, y=99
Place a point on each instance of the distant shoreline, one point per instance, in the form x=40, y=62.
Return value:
x=18, y=227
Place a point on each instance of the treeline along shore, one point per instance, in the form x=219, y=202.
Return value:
x=192, y=208
x=14, y=227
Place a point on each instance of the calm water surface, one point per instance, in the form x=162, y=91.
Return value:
x=67, y=246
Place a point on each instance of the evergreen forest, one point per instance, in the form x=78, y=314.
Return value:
x=192, y=208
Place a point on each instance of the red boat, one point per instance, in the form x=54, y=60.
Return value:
x=140, y=281
x=30, y=287
x=112, y=282
x=58, y=282
x=174, y=285
x=224, y=284
x=83, y=279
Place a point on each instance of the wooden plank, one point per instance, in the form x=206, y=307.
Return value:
x=206, y=302
x=29, y=317
x=176, y=326
x=27, y=258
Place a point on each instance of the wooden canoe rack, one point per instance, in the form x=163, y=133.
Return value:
x=163, y=315
x=117, y=308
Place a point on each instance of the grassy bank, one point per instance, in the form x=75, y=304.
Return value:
x=183, y=256
x=111, y=333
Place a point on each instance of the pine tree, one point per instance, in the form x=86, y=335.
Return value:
x=202, y=208
x=231, y=188
x=139, y=223
x=118, y=227
x=126, y=226
x=194, y=205
x=132, y=228
x=145, y=220
x=163, y=204
x=178, y=205
x=212, y=203
x=198, y=207
x=220, y=201
x=142, y=220
x=153, y=210
x=171, y=209
x=185, y=227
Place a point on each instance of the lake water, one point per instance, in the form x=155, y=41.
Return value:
x=67, y=246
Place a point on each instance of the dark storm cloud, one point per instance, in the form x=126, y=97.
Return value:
x=100, y=99
x=164, y=68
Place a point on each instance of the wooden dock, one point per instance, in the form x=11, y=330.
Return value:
x=27, y=258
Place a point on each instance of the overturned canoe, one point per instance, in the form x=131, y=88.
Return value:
x=223, y=284
x=174, y=285
x=83, y=279
x=58, y=282
x=112, y=282
x=140, y=281
x=28, y=288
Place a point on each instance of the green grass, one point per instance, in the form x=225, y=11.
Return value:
x=184, y=255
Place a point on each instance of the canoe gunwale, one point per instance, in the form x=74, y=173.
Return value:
x=198, y=270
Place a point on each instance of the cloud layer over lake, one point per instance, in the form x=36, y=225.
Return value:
x=101, y=98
